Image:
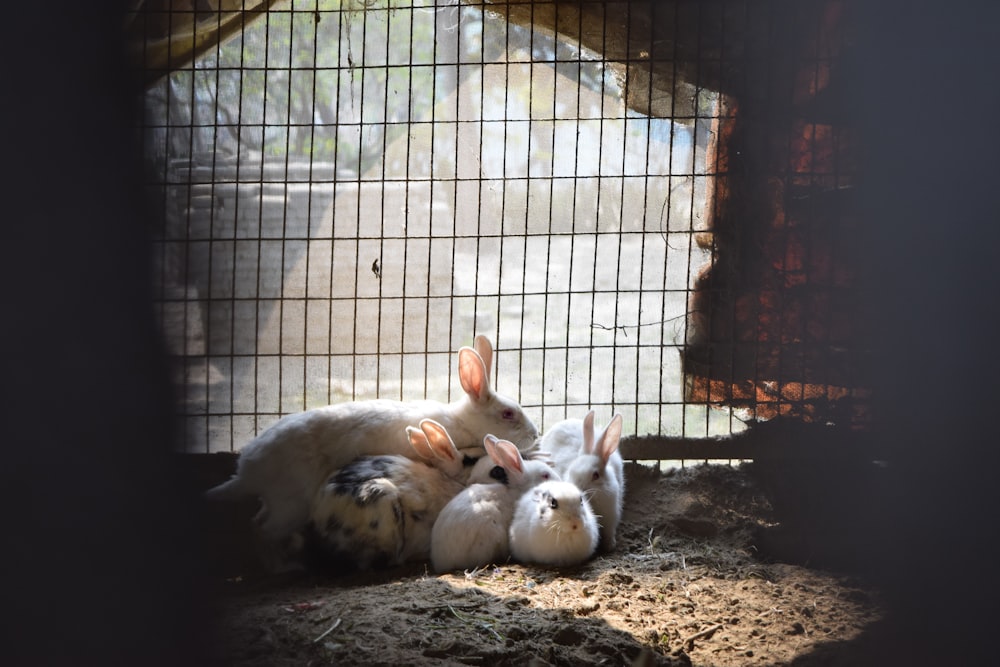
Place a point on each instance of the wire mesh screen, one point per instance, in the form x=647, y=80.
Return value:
x=353, y=192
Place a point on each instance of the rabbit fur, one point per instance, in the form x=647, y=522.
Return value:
x=553, y=524
x=472, y=529
x=594, y=465
x=286, y=464
x=378, y=511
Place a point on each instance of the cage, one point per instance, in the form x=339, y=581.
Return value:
x=843, y=311
x=351, y=192
x=651, y=209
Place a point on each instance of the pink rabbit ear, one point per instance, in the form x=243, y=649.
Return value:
x=472, y=374
x=438, y=440
x=490, y=444
x=608, y=442
x=418, y=440
x=509, y=456
x=588, y=433
x=485, y=349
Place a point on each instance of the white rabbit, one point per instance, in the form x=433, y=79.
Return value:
x=377, y=511
x=486, y=470
x=286, y=464
x=594, y=465
x=553, y=524
x=472, y=529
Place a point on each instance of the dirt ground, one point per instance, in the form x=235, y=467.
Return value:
x=685, y=586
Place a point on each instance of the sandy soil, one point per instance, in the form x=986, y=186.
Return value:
x=685, y=586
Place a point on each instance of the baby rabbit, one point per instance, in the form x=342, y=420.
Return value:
x=553, y=525
x=594, y=465
x=377, y=511
x=287, y=463
x=472, y=529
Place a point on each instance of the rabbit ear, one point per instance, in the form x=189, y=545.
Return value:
x=490, y=444
x=485, y=350
x=472, y=373
x=588, y=433
x=418, y=440
x=508, y=457
x=438, y=440
x=608, y=442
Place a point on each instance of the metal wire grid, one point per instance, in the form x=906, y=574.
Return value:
x=339, y=220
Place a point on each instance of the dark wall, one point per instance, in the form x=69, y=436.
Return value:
x=100, y=551
x=927, y=103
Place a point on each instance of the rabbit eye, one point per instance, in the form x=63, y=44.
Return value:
x=553, y=503
x=596, y=476
x=508, y=414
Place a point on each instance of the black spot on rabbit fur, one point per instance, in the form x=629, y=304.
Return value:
x=355, y=474
x=367, y=493
x=340, y=550
x=499, y=474
x=319, y=555
x=469, y=461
